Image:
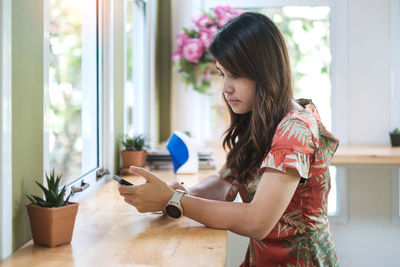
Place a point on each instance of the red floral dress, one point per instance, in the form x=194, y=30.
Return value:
x=302, y=236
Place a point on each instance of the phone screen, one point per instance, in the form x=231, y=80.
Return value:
x=121, y=181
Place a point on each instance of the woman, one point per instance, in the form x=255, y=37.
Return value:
x=278, y=159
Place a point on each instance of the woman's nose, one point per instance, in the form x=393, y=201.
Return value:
x=227, y=88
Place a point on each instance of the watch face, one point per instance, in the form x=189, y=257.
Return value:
x=173, y=211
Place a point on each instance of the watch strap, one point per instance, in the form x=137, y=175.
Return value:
x=177, y=196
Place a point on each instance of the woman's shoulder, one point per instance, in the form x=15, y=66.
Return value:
x=305, y=125
x=306, y=120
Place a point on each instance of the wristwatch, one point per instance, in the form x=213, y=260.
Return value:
x=174, y=207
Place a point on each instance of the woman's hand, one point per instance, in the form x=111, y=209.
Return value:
x=149, y=197
x=177, y=185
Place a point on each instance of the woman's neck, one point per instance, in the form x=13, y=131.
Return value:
x=295, y=106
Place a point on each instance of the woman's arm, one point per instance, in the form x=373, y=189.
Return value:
x=255, y=219
x=212, y=187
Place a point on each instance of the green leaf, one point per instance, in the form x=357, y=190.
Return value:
x=44, y=204
x=38, y=199
x=44, y=189
x=201, y=68
x=67, y=200
x=31, y=200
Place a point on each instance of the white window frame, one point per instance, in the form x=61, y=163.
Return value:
x=90, y=177
x=143, y=52
x=107, y=81
x=5, y=131
x=394, y=98
x=338, y=75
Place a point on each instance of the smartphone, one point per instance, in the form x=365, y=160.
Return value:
x=121, y=181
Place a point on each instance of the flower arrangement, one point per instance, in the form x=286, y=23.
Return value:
x=192, y=58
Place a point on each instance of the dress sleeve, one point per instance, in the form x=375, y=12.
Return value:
x=292, y=147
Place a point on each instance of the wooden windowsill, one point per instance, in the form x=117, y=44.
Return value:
x=109, y=232
x=367, y=155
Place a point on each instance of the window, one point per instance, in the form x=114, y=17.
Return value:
x=395, y=95
x=135, y=68
x=72, y=95
x=395, y=196
x=314, y=38
x=5, y=131
x=306, y=30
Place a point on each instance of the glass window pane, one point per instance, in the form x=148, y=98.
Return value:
x=333, y=208
x=307, y=34
x=72, y=115
x=136, y=95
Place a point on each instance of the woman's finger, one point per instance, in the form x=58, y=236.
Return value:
x=129, y=201
x=150, y=177
x=126, y=189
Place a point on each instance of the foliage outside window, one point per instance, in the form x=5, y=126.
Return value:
x=71, y=117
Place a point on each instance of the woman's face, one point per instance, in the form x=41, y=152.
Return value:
x=239, y=92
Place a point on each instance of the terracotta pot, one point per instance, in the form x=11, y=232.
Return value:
x=136, y=158
x=52, y=226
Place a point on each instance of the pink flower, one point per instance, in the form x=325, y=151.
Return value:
x=193, y=50
x=203, y=21
x=206, y=36
x=213, y=30
x=181, y=39
x=237, y=12
x=176, y=55
x=225, y=18
x=221, y=10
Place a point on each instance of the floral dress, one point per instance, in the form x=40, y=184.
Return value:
x=302, y=236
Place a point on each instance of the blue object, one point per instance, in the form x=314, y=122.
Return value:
x=183, y=153
x=178, y=150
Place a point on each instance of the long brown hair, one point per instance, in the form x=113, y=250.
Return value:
x=252, y=46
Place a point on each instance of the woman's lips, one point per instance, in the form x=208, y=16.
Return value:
x=233, y=102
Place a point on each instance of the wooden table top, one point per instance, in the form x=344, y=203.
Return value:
x=109, y=232
x=367, y=155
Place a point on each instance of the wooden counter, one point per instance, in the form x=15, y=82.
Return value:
x=367, y=155
x=109, y=232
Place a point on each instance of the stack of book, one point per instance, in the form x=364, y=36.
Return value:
x=159, y=159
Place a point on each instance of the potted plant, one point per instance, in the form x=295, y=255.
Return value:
x=52, y=219
x=395, y=137
x=134, y=152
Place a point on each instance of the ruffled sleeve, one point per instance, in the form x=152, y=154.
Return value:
x=293, y=146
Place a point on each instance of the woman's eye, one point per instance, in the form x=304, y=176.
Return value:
x=221, y=74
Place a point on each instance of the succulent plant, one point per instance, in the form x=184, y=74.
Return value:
x=53, y=197
x=135, y=143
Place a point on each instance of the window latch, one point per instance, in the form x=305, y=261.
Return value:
x=101, y=172
x=77, y=189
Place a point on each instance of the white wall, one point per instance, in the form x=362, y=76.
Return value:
x=368, y=238
x=369, y=71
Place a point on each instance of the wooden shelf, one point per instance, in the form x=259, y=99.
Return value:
x=367, y=155
x=109, y=232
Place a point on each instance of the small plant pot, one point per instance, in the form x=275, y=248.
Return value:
x=136, y=158
x=52, y=226
x=395, y=139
